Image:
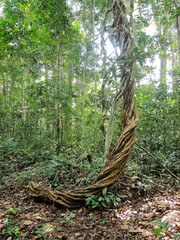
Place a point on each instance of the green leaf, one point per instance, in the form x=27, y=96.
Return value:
x=107, y=199
x=123, y=196
x=118, y=199
x=104, y=191
x=68, y=218
x=176, y=236
x=136, y=49
x=156, y=222
x=158, y=231
x=162, y=224
x=100, y=199
x=95, y=205
x=103, y=204
x=3, y=79
x=88, y=200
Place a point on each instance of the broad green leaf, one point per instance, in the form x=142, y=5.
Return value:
x=123, y=196
x=156, y=222
x=104, y=191
x=158, y=231
x=103, y=204
x=176, y=236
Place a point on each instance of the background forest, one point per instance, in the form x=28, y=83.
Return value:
x=59, y=75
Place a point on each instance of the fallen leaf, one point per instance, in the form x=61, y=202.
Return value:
x=132, y=230
x=124, y=227
x=27, y=222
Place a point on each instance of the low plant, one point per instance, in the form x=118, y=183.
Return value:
x=12, y=230
x=103, y=201
x=56, y=229
x=68, y=218
x=105, y=221
x=13, y=210
x=41, y=232
x=162, y=226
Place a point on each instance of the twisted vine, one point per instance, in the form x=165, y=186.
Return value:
x=120, y=153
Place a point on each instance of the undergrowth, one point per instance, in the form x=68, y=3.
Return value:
x=61, y=171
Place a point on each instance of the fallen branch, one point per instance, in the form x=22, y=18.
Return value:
x=157, y=160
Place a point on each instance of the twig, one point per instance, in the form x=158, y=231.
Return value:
x=167, y=169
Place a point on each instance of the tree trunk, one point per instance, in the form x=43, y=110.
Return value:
x=5, y=105
x=95, y=84
x=77, y=125
x=83, y=102
x=163, y=34
x=177, y=81
x=177, y=6
x=59, y=130
x=83, y=86
x=46, y=75
x=23, y=116
x=69, y=116
x=120, y=153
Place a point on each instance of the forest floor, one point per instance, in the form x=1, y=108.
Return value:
x=23, y=218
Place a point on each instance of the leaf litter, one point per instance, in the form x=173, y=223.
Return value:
x=23, y=218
